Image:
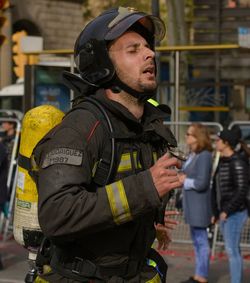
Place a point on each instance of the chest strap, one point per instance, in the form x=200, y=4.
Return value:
x=106, y=164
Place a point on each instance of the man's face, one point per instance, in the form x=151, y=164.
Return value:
x=7, y=126
x=220, y=145
x=134, y=61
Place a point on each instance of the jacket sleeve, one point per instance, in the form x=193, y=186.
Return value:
x=68, y=202
x=239, y=171
x=215, y=209
x=200, y=179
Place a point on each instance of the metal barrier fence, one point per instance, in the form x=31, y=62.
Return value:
x=182, y=234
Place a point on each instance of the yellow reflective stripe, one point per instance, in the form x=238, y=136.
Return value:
x=156, y=279
x=94, y=168
x=126, y=164
x=152, y=263
x=46, y=270
x=154, y=156
x=153, y=102
x=40, y=280
x=137, y=162
x=118, y=202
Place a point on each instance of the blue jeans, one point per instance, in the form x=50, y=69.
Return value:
x=231, y=230
x=202, y=250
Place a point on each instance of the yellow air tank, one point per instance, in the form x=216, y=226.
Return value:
x=36, y=124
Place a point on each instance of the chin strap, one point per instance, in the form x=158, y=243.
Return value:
x=84, y=88
x=118, y=86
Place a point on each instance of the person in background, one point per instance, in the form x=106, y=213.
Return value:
x=229, y=191
x=7, y=138
x=3, y=183
x=241, y=147
x=9, y=132
x=197, y=197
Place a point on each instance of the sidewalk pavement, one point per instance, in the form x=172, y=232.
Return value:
x=15, y=262
x=180, y=259
x=181, y=262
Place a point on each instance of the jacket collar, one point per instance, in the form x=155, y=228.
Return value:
x=152, y=119
x=150, y=114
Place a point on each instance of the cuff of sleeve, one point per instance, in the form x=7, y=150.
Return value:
x=150, y=188
x=141, y=193
x=188, y=184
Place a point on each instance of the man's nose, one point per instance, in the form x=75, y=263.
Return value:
x=149, y=54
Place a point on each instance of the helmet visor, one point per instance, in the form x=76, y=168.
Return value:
x=127, y=17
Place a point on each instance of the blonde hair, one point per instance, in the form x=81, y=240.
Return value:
x=201, y=133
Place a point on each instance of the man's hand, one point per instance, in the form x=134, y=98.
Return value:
x=165, y=176
x=163, y=231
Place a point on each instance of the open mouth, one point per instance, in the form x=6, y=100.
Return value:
x=149, y=70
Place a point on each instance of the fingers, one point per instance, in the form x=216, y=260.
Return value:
x=168, y=161
x=181, y=177
x=171, y=212
x=160, y=228
x=163, y=237
x=171, y=172
x=175, y=185
x=170, y=224
x=163, y=245
x=164, y=174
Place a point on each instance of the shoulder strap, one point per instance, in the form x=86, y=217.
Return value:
x=106, y=164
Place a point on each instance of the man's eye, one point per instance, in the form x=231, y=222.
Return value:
x=133, y=50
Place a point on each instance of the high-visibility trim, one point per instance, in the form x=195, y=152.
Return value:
x=155, y=279
x=126, y=163
x=154, y=156
x=151, y=262
x=153, y=102
x=118, y=202
x=94, y=168
x=137, y=162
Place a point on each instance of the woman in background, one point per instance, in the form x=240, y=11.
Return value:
x=197, y=197
x=229, y=198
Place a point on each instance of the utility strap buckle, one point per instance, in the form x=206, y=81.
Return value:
x=82, y=266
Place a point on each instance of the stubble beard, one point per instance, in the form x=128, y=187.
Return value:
x=148, y=87
x=144, y=87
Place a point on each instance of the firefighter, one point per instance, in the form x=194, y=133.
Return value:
x=102, y=231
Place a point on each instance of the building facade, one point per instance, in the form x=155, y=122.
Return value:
x=58, y=22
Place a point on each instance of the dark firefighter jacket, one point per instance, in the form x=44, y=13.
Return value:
x=112, y=226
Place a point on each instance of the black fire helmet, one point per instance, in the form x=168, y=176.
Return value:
x=91, y=47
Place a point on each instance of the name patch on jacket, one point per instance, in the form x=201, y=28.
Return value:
x=63, y=156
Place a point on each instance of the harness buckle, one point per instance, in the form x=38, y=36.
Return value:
x=77, y=265
x=83, y=267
